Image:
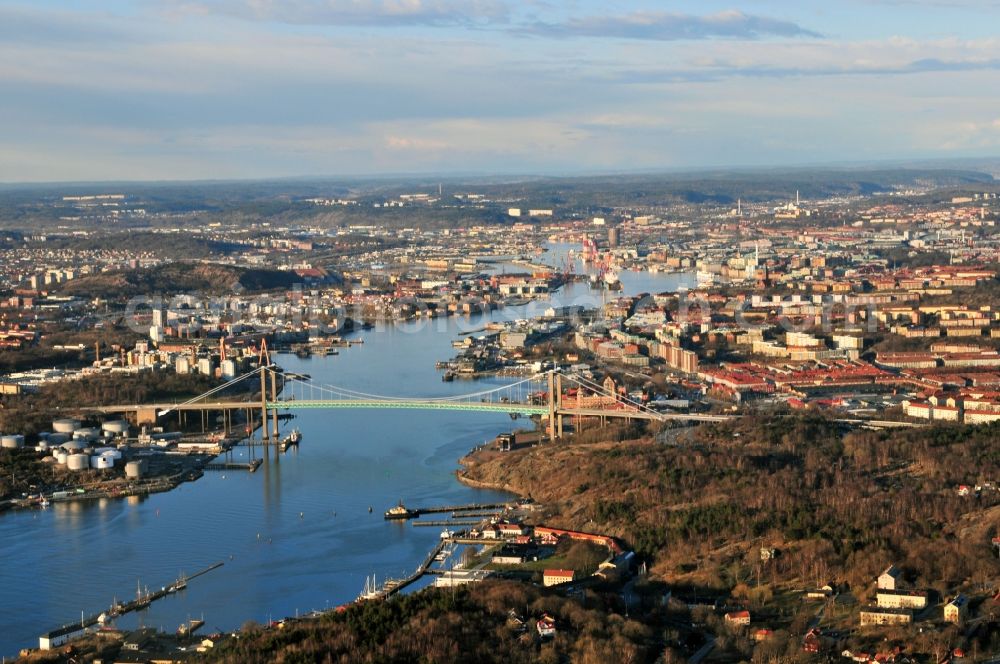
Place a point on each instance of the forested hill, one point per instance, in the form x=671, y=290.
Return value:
x=180, y=277
x=839, y=504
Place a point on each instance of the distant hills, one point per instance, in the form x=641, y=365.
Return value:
x=180, y=277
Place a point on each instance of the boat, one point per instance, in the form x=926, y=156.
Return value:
x=189, y=627
x=290, y=440
x=45, y=502
x=401, y=512
x=448, y=376
x=447, y=534
x=371, y=590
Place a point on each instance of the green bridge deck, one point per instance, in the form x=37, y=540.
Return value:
x=471, y=406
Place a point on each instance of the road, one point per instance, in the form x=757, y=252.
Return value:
x=703, y=651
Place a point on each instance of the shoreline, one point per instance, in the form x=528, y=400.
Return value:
x=477, y=484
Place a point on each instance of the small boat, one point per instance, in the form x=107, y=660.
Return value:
x=189, y=627
x=371, y=590
x=447, y=534
x=448, y=376
x=400, y=512
x=45, y=502
x=290, y=440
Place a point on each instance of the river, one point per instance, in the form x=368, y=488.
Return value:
x=297, y=534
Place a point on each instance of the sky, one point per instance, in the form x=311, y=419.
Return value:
x=229, y=89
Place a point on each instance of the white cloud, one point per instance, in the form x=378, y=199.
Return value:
x=672, y=26
x=355, y=12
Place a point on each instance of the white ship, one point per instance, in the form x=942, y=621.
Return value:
x=371, y=590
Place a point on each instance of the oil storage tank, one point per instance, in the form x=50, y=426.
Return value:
x=102, y=461
x=65, y=425
x=116, y=427
x=78, y=462
x=135, y=469
x=11, y=441
x=87, y=434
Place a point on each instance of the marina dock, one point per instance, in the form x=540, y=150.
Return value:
x=251, y=466
x=475, y=507
x=421, y=570
x=465, y=523
x=67, y=632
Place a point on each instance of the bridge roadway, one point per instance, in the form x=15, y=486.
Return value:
x=416, y=404
x=469, y=406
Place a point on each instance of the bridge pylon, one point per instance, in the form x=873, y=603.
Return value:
x=552, y=405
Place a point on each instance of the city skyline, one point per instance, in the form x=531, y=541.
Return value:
x=165, y=89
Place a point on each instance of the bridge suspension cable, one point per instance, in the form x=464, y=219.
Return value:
x=355, y=394
x=214, y=390
x=601, y=390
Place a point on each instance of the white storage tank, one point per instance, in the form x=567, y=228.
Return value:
x=134, y=469
x=102, y=462
x=57, y=438
x=115, y=427
x=11, y=442
x=109, y=452
x=78, y=462
x=65, y=425
x=73, y=446
x=86, y=434
x=42, y=446
x=60, y=456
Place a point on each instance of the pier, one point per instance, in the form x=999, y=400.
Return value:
x=61, y=635
x=468, y=515
x=475, y=507
x=421, y=570
x=464, y=523
x=251, y=466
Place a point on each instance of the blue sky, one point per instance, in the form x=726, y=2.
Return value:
x=192, y=89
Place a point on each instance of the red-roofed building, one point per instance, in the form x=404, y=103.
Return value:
x=738, y=617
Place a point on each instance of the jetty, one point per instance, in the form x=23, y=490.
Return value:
x=446, y=523
x=57, y=637
x=474, y=507
x=251, y=466
x=421, y=570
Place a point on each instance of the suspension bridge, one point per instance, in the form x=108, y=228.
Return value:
x=552, y=396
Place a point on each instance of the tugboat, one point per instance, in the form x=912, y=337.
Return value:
x=290, y=440
x=401, y=512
